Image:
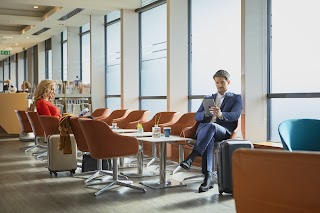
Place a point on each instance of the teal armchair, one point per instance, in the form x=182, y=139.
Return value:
x=300, y=134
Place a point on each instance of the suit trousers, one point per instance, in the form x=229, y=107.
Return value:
x=206, y=136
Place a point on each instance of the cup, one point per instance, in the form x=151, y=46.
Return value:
x=166, y=131
x=114, y=126
x=156, y=131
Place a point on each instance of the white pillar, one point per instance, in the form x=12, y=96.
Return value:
x=41, y=61
x=129, y=59
x=97, y=61
x=177, y=55
x=254, y=68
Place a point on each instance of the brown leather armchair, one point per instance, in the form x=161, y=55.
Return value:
x=132, y=120
x=275, y=181
x=101, y=113
x=103, y=143
x=25, y=127
x=37, y=129
x=116, y=114
x=83, y=147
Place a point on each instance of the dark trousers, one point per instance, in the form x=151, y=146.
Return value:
x=206, y=137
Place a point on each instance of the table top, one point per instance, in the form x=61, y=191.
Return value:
x=124, y=130
x=171, y=138
x=136, y=134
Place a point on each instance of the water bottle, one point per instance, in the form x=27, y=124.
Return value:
x=83, y=112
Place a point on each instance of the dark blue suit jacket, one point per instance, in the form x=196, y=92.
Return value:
x=231, y=108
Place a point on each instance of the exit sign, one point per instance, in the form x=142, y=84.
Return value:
x=4, y=52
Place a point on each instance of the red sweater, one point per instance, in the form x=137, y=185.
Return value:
x=47, y=108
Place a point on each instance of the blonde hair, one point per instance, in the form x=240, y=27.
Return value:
x=26, y=85
x=43, y=90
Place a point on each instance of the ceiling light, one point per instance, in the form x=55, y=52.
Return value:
x=27, y=37
x=17, y=44
x=7, y=36
x=35, y=7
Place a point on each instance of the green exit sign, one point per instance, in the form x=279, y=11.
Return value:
x=5, y=52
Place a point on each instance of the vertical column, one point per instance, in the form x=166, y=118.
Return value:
x=20, y=69
x=129, y=59
x=97, y=61
x=254, y=68
x=73, y=53
x=30, y=66
x=41, y=62
x=177, y=55
x=56, y=57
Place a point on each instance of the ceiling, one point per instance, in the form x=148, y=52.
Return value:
x=22, y=26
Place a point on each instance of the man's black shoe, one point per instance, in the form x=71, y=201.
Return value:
x=207, y=183
x=186, y=164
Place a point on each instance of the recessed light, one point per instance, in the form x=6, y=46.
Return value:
x=27, y=37
x=35, y=7
x=7, y=36
x=17, y=44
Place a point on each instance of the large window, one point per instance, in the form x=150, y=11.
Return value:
x=85, y=53
x=215, y=44
x=153, y=59
x=113, y=61
x=64, y=61
x=294, y=45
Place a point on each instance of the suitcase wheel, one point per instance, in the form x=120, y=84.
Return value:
x=72, y=172
x=55, y=174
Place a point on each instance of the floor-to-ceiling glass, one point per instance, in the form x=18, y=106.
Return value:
x=113, y=61
x=153, y=59
x=215, y=44
x=294, y=62
x=85, y=53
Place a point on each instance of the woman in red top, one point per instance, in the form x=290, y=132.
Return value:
x=43, y=98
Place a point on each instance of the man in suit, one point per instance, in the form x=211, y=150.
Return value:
x=216, y=125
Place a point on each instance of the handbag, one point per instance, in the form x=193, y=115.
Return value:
x=90, y=164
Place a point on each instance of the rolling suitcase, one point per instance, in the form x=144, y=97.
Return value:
x=57, y=161
x=224, y=160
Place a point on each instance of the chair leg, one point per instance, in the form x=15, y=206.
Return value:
x=118, y=182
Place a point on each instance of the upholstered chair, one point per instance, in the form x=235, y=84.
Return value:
x=116, y=114
x=103, y=143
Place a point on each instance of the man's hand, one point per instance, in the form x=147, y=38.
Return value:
x=216, y=112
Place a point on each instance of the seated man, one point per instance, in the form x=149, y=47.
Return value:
x=216, y=125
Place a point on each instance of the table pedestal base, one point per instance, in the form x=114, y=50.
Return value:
x=157, y=185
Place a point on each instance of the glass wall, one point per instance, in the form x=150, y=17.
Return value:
x=294, y=45
x=153, y=59
x=64, y=61
x=85, y=53
x=215, y=44
x=113, y=61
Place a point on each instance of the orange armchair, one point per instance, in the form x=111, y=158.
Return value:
x=25, y=127
x=83, y=147
x=133, y=118
x=116, y=114
x=103, y=143
x=101, y=113
x=37, y=129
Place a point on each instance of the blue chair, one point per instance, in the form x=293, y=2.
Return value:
x=300, y=134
